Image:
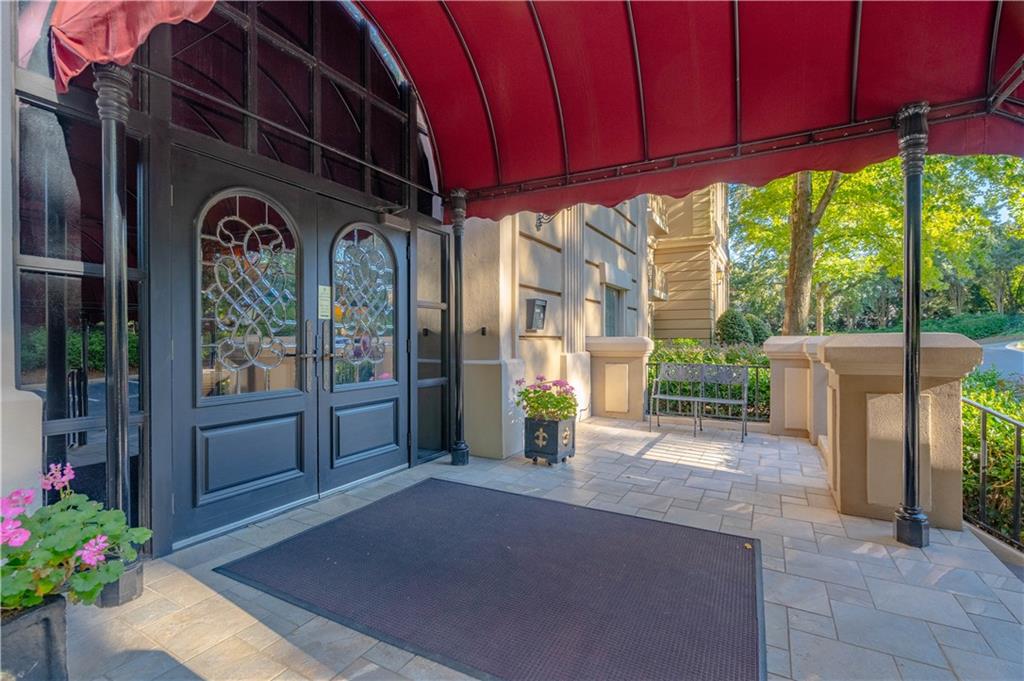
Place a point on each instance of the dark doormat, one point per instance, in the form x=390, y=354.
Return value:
x=501, y=585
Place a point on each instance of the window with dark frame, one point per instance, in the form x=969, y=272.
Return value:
x=432, y=357
x=612, y=311
x=61, y=348
x=321, y=98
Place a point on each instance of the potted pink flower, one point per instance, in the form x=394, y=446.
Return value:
x=550, y=408
x=67, y=550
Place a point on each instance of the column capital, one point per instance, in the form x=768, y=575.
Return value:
x=113, y=90
x=458, y=202
x=912, y=121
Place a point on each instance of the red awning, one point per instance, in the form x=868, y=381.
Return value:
x=83, y=33
x=540, y=105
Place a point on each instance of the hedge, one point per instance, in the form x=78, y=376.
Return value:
x=33, y=349
x=990, y=389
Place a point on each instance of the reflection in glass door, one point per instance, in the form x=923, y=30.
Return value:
x=432, y=361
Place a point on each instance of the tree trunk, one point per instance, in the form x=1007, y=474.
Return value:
x=999, y=294
x=804, y=219
x=801, y=258
x=820, y=320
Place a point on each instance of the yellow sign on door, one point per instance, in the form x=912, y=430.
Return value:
x=323, y=302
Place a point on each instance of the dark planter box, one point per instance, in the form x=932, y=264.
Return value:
x=551, y=440
x=35, y=642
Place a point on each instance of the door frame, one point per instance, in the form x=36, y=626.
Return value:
x=191, y=411
x=330, y=227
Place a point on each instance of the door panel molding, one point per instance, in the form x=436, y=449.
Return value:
x=273, y=450
x=363, y=431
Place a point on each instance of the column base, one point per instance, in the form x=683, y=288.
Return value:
x=460, y=454
x=125, y=589
x=910, y=527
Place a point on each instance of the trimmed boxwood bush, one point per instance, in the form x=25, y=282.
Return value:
x=732, y=328
x=759, y=328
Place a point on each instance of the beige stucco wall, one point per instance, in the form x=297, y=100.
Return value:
x=693, y=253
x=567, y=260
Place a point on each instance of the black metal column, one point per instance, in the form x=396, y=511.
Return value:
x=460, y=450
x=113, y=88
x=911, y=526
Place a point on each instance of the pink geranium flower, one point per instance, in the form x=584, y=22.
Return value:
x=540, y=378
x=92, y=553
x=14, y=503
x=11, y=532
x=59, y=477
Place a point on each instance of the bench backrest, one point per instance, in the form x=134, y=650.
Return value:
x=705, y=374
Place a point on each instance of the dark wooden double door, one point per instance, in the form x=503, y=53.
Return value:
x=290, y=345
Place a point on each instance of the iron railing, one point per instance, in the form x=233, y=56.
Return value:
x=758, y=396
x=992, y=473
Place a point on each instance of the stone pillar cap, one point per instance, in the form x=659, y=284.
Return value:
x=619, y=346
x=813, y=345
x=881, y=354
x=785, y=347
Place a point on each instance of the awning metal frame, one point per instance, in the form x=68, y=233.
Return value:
x=883, y=125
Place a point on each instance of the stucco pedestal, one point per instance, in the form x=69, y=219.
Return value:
x=817, y=389
x=494, y=424
x=618, y=375
x=866, y=423
x=790, y=372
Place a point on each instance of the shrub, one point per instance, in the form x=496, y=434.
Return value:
x=990, y=389
x=759, y=328
x=689, y=351
x=971, y=325
x=33, y=348
x=732, y=327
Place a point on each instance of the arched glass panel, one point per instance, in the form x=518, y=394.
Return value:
x=248, y=297
x=363, y=279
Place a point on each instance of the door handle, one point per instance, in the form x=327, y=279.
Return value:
x=308, y=357
x=327, y=354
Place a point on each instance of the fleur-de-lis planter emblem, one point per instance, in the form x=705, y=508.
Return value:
x=540, y=437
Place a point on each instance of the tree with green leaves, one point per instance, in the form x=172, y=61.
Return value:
x=837, y=240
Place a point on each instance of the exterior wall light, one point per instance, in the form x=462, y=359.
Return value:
x=536, y=314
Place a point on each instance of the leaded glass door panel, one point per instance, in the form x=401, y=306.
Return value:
x=363, y=275
x=243, y=318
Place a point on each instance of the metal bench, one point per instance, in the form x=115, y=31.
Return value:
x=670, y=379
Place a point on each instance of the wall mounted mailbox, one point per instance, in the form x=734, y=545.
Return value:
x=536, y=313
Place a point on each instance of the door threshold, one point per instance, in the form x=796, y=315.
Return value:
x=362, y=481
x=224, y=529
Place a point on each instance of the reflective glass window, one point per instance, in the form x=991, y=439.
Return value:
x=248, y=298
x=211, y=57
x=60, y=202
x=285, y=95
x=341, y=41
x=291, y=20
x=86, y=451
x=342, y=128
x=363, y=279
x=62, y=347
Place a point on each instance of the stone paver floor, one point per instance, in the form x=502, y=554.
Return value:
x=843, y=600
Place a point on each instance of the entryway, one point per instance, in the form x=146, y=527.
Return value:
x=290, y=351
